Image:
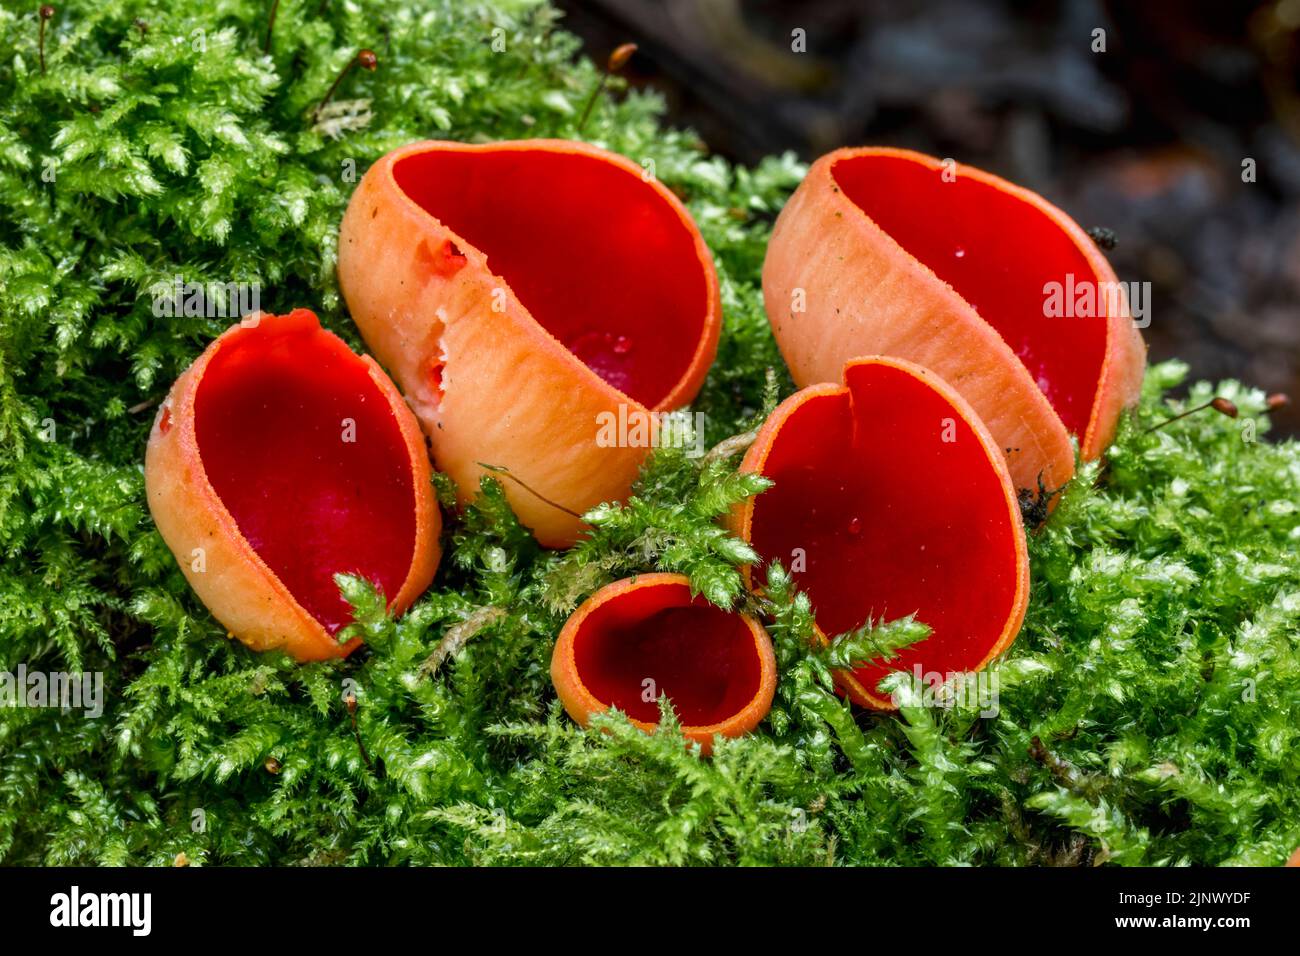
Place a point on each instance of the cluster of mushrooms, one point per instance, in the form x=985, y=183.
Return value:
x=519, y=293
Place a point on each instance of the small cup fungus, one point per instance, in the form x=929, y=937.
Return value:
x=646, y=636
x=279, y=459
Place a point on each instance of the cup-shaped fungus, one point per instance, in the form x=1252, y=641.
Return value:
x=889, y=252
x=890, y=498
x=278, y=459
x=646, y=636
x=539, y=303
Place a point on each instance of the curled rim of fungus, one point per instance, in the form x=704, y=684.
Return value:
x=717, y=667
x=278, y=459
x=521, y=293
x=890, y=498
x=951, y=267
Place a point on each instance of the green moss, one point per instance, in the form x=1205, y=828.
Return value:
x=1157, y=671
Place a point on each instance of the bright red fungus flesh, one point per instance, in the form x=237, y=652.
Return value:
x=889, y=500
x=997, y=251
x=697, y=654
x=597, y=258
x=303, y=449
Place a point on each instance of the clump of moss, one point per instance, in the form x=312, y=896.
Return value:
x=1148, y=713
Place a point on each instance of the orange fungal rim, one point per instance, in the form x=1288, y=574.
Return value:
x=744, y=719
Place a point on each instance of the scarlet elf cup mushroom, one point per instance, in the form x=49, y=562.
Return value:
x=890, y=498
x=278, y=459
x=890, y=252
x=522, y=293
x=641, y=637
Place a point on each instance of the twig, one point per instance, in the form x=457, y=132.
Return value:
x=503, y=470
x=1062, y=770
x=458, y=635
x=733, y=445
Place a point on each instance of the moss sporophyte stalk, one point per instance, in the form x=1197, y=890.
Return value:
x=1164, y=582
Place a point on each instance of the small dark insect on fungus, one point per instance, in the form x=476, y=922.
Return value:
x=1034, y=507
x=1103, y=237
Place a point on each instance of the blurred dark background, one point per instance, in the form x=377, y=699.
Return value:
x=1147, y=138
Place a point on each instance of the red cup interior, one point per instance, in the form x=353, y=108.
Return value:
x=878, y=517
x=654, y=640
x=272, y=416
